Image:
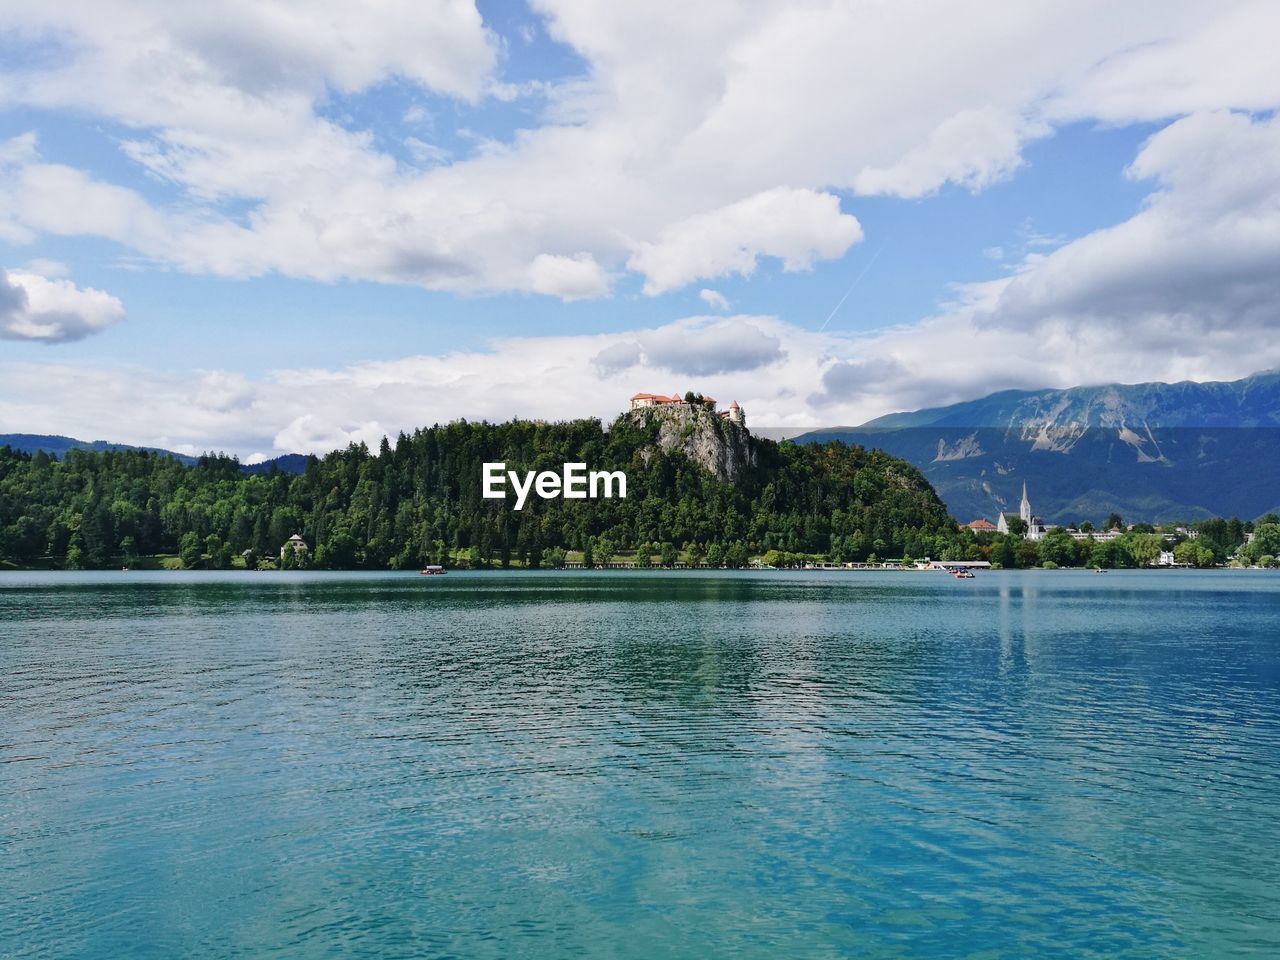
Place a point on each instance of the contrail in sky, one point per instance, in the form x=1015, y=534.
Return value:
x=856, y=281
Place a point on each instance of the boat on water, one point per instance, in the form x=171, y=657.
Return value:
x=1099, y=570
x=963, y=574
x=432, y=571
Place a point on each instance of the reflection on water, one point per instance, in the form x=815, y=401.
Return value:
x=639, y=765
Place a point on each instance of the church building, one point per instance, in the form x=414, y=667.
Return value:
x=1035, y=526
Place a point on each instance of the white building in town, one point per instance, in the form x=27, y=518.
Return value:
x=1037, y=529
x=296, y=545
x=1035, y=526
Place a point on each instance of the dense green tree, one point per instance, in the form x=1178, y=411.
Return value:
x=1026, y=553
x=420, y=501
x=218, y=551
x=1058, y=548
x=1143, y=548
x=1266, y=538
x=1265, y=543
x=1194, y=553
x=604, y=550
x=190, y=550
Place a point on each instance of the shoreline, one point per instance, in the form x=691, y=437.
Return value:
x=649, y=570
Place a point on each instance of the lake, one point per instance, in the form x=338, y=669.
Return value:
x=633, y=764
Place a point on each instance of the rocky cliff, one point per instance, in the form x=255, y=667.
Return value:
x=723, y=448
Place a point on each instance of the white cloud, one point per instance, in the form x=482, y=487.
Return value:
x=570, y=278
x=714, y=299
x=33, y=307
x=425, y=154
x=683, y=155
x=1198, y=58
x=47, y=268
x=796, y=226
x=781, y=374
x=251, y=47
x=696, y=346
x=657, y=155
x=974, y=148
x=308, y=433
x=1198, y=261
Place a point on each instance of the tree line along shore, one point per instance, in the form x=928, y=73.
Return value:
x=418, y=502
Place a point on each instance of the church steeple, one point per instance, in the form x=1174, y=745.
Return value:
x=1025, y=510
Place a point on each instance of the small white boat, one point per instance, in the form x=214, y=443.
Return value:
x=433, y=571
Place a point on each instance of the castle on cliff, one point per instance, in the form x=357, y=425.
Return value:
x=735, y=414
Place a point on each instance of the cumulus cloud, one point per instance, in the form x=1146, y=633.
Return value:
x=618, y=357
x=687, y=154
x=680, y=155
x=310, y=434
x=796, y=226
x=698, y=346
x=1198, y=262
x=714, y=299
x=569, y=278
x=852, y=380
x=38, y=308
x=974, y=148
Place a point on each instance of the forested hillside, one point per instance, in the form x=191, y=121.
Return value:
x=420, y=501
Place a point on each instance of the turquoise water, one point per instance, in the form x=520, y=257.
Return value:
x=640, y=765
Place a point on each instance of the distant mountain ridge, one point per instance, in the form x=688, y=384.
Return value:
x=57, y=446
x=1251, y=402
x=1148, y=451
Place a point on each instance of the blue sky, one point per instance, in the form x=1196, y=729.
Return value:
x=294, y=231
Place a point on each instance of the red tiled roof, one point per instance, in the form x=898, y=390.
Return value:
x=674, y=398
x=981, y=525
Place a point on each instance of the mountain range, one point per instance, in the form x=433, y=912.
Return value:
x=1148, y=451
x=57, y=446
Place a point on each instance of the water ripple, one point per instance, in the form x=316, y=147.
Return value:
x=639, y=765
